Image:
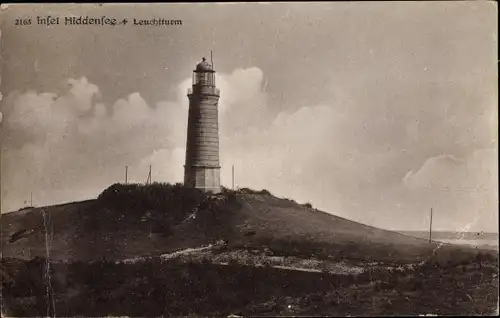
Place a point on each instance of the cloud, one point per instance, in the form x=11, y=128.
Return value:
x=446, y=172
x=281, y=157
x=243, y=104
x=167, y=164
x=84, y=92
x=463, y=190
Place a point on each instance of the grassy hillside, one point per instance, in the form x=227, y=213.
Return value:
x=134, y=220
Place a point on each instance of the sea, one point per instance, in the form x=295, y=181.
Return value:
x=481, y=240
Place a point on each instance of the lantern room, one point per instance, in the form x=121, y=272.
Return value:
x=204, y=74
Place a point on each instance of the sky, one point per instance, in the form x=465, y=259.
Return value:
x=373, y=111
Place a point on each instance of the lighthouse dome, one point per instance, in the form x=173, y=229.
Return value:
x=204, y=66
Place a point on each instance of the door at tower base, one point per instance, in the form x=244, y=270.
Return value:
x=206, y=179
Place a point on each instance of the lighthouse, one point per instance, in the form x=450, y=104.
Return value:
x=202, y=168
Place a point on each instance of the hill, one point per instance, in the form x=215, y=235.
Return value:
x=164, y=250
x=129, y=221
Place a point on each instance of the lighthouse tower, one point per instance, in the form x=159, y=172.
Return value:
x=202, y=169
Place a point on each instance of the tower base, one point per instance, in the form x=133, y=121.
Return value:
x=206, y=179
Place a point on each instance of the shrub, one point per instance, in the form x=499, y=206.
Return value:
x=264, y=191
x=156, y=196
x=226, y=190
x=252, y=191
x=246, y=191
x=162, y=204
x=231, y=197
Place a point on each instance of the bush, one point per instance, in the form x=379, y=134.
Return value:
x=156, y=196
x=160, y=205
x=231, y=197
x=246, y=191
x=226, y=190
x=252, y=191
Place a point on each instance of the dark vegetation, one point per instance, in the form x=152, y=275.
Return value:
x=166, y=203
x=249, y=191
x=307, y=205
x=26, y=208
x=21, y=234
x=163, y=196
x=175, y=288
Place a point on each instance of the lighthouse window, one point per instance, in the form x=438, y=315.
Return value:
x=201, y=78
x=210, y=79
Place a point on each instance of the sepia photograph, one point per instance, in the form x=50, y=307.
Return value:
x=240, y=159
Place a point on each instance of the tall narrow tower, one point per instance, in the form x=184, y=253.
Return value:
x=202, y=169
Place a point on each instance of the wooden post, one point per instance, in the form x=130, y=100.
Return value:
x=233, y=177
x=126, y=174
x=31, y=199
x=430, y=229
x=148, y=180
x=50, y=301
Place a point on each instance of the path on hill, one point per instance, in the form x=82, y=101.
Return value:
x=188, y=251
x=176, y=253
x=298, y=269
